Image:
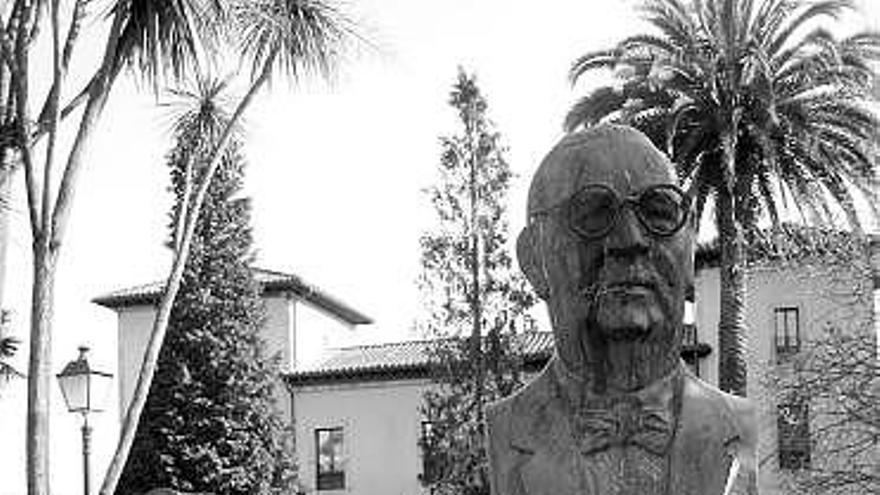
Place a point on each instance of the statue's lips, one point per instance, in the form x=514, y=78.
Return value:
x=634, y=287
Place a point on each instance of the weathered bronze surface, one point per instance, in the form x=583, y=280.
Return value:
x=615, y=411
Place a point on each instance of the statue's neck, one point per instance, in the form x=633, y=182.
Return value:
x=621, y=371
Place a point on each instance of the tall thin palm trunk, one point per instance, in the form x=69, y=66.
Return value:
x=5, y=198
x=732, y=324
x=39, y=368
x=48, y=216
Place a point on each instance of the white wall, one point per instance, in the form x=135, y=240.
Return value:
x=706, y=317
x=294, y=329
x=823, y=295
x=317, y=331
x=279, y=330
x=382, y=425
x=133, y=332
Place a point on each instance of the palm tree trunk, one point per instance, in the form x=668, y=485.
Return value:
x=40, y=369
x=172, y=286
x=731, y=325
x=5, y=198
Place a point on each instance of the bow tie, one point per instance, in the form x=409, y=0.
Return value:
x=623, y=421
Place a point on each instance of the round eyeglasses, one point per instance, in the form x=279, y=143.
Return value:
x=594, y=210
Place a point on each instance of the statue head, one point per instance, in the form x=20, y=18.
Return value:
x=609, y=246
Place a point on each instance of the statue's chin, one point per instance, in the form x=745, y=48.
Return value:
x=630, y=342
x=634, y=365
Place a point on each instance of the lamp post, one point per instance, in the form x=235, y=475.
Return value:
x=84, y=391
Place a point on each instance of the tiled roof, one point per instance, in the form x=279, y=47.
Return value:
x=408, y=359
x=800, y=242
x=273, y=282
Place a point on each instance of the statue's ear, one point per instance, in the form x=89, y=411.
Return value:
x=530, y=256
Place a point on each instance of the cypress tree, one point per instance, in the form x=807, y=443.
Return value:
x=210, y=423
x=475, y=301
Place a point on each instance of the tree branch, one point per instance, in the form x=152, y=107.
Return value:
x=73, y=32
x=72, y=35
x=54, y=96
x=97, y=97
x=20, y=83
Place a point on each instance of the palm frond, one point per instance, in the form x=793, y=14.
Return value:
x=593, y=108
x=769, y=200
x=603, y=59
x=817, y=37
x=836, y=186
x=650, y=44
x=771, y=15
x=300, y=36
x=823, y=8
x=865, y=45
x=165, y=37
x=668, y=19
x=8, y=346
x=199, y=110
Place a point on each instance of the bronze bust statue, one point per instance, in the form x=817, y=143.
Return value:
x=609, y=246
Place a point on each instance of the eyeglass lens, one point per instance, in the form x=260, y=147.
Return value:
x=594, y=209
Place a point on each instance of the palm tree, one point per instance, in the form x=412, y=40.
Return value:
x=156, y=37
x=760, y=106
x=293, y=37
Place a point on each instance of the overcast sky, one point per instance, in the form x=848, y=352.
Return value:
x=335, y=171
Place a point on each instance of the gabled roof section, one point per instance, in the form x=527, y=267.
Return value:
x=398, y=360
x=273, y=282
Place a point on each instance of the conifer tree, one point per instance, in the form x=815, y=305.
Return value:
x=210, y=423
x=474, y=300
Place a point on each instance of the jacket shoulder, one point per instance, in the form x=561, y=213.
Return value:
x=506, y=420
x=524, y=401
x=739, y=414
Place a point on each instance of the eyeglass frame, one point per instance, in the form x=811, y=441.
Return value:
x=620, y=201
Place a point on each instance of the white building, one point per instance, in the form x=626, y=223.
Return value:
x=357, y=411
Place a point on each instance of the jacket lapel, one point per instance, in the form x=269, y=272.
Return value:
x=542, y=438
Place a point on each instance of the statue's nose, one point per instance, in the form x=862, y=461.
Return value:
x=628, y=237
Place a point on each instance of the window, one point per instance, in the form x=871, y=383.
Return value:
x=688, y=344
x=787, y=332
x=793, y=431
x=331, y=462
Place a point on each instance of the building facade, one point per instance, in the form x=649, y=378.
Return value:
x=358, y=418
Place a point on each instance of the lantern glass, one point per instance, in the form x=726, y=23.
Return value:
x=75, y=390
x=85, y=390
x=99, y=391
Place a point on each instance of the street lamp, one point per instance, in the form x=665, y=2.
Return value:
x=84, y=391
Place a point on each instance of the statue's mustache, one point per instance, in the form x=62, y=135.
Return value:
x=652, y=270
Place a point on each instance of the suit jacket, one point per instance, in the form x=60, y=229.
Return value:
x=533, y=451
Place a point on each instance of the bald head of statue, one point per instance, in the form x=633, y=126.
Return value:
x=609, y=246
